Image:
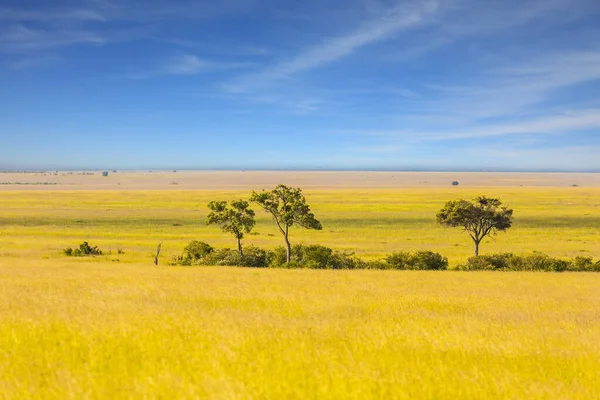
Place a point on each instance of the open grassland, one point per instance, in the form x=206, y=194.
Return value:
x=373, y=222
x=114, y=326
x=101, y=330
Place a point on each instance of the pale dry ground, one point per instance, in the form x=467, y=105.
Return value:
x=78, y=330
x=245, y=180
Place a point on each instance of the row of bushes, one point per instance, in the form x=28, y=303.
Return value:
x=316, y=256
x=530, y=262
x=312, y=256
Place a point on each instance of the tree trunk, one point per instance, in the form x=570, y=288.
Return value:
x=240, y=247
x=476, y=248
x=288, y=248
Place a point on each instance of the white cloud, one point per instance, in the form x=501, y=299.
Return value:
x=61, y=16
x=552, y=124
x=33, y=62
x=18, y=38
x=187, y=65
x=581, y=120
x=332, y=49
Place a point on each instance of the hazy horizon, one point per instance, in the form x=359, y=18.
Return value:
x=258, y=169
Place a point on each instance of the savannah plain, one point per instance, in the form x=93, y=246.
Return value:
x=116, y=326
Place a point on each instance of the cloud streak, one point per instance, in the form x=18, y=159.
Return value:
x=18, y=38
x=332, y=49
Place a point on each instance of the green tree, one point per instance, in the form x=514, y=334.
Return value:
x=236, y=218
x=288, y=207
x=479, y=218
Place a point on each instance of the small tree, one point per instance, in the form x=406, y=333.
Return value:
x=288, y=207
x=479, y=218
x=237, y=218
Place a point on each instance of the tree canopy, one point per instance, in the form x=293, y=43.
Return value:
x=236, y=218
x=479, y=218
x=288, y=207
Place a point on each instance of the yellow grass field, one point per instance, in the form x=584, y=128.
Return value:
x=373, y=222
x=115, y=326
x=102, y=331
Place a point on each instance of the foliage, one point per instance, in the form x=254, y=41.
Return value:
x=418, y=260
x=315, y=256
x=83, y=250
x=196, y=250
x=236, y=218
x=585, y=264
x=200, y=253
x=479, y=218
x=531, y=262
x=288, y=207
x=193, y=253
x=256, y=257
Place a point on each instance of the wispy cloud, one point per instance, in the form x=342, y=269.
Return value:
x=548, y=125
x=33, y=62
x=18, y=38
x=334, y=48
x=187, y=64
x=52, y=16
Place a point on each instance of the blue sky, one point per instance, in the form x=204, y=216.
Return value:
x=426, y=84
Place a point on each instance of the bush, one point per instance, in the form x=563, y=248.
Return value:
x=419, y=260
x=542, y=262
x=400, y=260
x=488, y=262
x=315, y=256
x=256, y=257
x=200, y=253
x=196, y=250
x=376, y=264
x=428, y=260
x=584, y=264
x=530, y=262
x=224, y=257
x=84, y=250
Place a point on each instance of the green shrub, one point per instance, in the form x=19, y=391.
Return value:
x=584, y=264
x=226, y=257
x=84, y=249
x=196, y=250
x=400, y=260
x=419, y=260
x=489, y=262
x=376, y=264
x=529, y=262
x=539, y=262
x=428, y=260
x=256, y=257
x=314, y=256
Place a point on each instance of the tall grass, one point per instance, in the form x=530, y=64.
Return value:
x=102, y=330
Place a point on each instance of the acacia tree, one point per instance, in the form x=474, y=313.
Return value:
x=479, y=218
x=236, y=218
x=288, y=207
